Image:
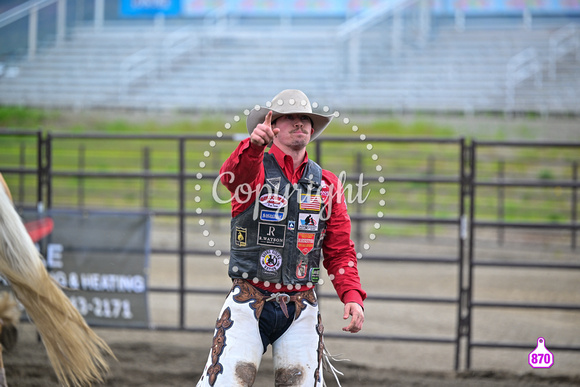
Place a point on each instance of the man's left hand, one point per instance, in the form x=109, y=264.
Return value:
x=358, y=317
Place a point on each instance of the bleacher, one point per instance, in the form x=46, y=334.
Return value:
x=195, y=66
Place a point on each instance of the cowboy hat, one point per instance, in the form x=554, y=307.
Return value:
x=289, y=102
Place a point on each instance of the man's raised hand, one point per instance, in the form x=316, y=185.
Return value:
x=263, y=133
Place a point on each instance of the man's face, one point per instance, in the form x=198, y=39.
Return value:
x=295, y=131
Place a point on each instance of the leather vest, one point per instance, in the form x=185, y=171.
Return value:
x=279, y=237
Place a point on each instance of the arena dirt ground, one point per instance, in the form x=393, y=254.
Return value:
x=146, y=358
x=159, y=358
x=171, y=358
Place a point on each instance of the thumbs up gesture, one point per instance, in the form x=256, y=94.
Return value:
x=263, y=133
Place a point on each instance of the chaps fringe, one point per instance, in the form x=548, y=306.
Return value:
x=76, y=353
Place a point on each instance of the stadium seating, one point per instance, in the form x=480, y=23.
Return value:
x=192, y=66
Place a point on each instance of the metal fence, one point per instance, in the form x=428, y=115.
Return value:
x=439, y=180
x=564, y=177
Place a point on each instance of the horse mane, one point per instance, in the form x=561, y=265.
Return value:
x=76, y=353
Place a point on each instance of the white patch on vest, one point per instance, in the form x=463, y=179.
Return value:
x=308, y=222
x=271, y=260
x=274, y=201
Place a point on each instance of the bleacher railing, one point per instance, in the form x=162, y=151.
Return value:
x=30, y=10
x=564, y=41
x=522, y=66
x=351, y=29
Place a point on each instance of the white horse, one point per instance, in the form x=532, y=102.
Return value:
x=76, y=353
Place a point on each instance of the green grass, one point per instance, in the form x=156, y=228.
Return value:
x=21, y=117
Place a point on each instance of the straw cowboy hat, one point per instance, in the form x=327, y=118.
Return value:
x=289, y=102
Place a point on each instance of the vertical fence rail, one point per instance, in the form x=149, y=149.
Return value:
x=81, y=179
x=147, y=172
x=182, y=232
x=22, y=164
x=500, y=202
x=469, y=290
x=574, y=218
x=463, y=192
x=40, y=175
x=48, y=169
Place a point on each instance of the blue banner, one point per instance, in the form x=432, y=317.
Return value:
x=150, y=7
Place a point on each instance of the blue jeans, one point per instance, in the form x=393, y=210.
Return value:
x=273, y=323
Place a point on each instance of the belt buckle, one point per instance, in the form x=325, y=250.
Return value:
x=278, y=296
x=282, y=299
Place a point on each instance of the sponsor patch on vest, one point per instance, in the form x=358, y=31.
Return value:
x=314, y=275
x=305, y=242
x=271, y=234
x=241, y=236
x=325, y=192
x=310, y=202
x=272, y=216
x=301, y=269
x=274, y=201
x=308, y=222
x=271, y=260
x=291, y=225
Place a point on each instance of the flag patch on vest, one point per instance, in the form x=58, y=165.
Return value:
x=305, y=242
x=308, y=222
x=271, y=260
x=241, y=236
x=271, y=234
x=310, y=202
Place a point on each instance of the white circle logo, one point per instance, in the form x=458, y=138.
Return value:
x=271, y=260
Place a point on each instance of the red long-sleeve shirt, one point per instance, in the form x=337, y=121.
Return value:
x=243, y=172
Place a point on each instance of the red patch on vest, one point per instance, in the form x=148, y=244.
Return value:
x=305, y=242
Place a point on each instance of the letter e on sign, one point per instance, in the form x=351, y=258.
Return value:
x=54, y=256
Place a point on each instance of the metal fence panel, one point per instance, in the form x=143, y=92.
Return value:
x=437, y=191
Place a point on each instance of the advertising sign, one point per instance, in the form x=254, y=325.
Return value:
x=101, y=260
x=149, y=7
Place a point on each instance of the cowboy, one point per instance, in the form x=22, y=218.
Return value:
x=289, y=212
